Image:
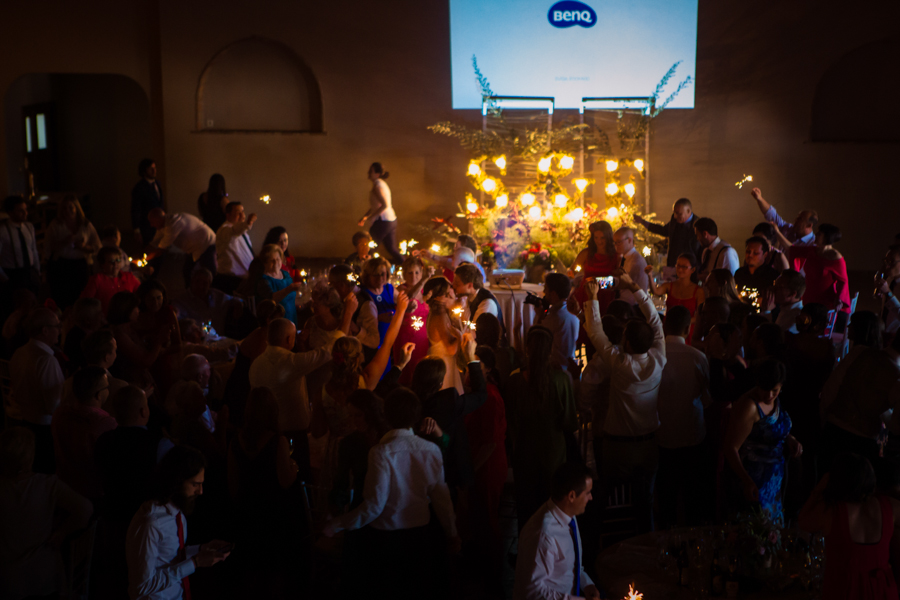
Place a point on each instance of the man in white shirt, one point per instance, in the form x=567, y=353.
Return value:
x=683, y=394
x=468, y=283
x=549, y=564
x=234, y=251
x=20, y=263
x=187, y=233
x=716, y=254
x=37, y=384
x=159, y=562
x=789, y=289
x=630, y=451
x=562, y=324
x=284, y=372
x=405, y=477
x=464, y=251
x=630, y=262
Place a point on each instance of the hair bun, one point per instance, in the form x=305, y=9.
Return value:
x=385, y=175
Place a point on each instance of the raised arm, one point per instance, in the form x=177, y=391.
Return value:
x=661, y=230
x=764, y=206
x=579, y=262
x=646, y=305
x=657, y=291
x=375, y=369
x=593, y=324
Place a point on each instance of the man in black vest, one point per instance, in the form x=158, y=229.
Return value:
x=469, y=284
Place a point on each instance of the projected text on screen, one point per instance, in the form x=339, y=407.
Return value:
x=570, y=49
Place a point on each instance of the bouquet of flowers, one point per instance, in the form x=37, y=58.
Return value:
x=757, y=537
x=537, y=255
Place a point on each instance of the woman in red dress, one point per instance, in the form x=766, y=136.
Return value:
x=599, y=259
x=684, y=291
x=858, y=525
x=824, y=268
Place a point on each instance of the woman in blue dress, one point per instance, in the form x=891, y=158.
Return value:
x=757, y=442
x=376, y=306
x=275, y=284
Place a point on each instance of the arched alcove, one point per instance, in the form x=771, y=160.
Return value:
x=258, y=85
x=854, y=99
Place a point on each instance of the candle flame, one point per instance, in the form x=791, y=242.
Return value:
x=740, y=184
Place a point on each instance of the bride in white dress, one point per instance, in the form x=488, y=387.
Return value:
x=444, y=333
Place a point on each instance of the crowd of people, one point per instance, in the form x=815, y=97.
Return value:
x=407, y=408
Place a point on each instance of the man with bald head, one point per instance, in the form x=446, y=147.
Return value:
x=630, y=262
x=187, y=233
x=284, y=372
x=800, y=232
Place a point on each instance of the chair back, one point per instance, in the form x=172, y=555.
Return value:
x=77, y=560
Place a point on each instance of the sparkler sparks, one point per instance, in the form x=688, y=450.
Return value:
x=646, y=251
x=458, y=311
x=633, y=594
x=740, y=184
x=265, y=199
x=417, y=323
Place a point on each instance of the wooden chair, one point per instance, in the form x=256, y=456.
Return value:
x=77, y=560
x=619, y=519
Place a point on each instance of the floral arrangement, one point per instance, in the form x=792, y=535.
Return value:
x=757, y=536
x=537, y=255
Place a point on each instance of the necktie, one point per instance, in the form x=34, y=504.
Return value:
x=185, y=583
x=247, y=241
x=622, y=263
x=573, y=529
x=26, y=256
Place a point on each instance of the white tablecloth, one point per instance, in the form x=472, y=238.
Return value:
x=517, y=316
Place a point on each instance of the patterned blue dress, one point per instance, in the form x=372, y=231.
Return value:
x=762, y=455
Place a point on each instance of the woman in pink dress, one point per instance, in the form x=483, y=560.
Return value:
x=413, y=327
x=858, y=525
x=824, y=268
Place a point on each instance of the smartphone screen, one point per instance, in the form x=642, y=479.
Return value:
x=606, y=282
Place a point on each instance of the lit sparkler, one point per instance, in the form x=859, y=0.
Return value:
x=373, y=244
x=417, y=323
x=141, y=262
x=633, y=594
x=646, y=251
x=740, y=184
x=751, y=295
x=578, y=268
x=435, y=248
x=265, y=199
x=458, y=311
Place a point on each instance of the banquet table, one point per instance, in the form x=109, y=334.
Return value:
x=636, y=561
x=518, y=317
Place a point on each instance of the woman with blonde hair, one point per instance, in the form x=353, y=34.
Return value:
x=275, y=283
x=444, y=328
x=349, y=372
x=69, y=247
x=720, y=282
x=376, y=304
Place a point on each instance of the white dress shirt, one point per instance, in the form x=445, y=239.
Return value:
x=634, y=264
x=683, y=394
x=234, y=251
x=634, y=378
x=187, y=233
x=720, y=257
x=545, y=569
x=487, y=306
x=37, y=383
x=284, y=372
x=11, y=246
x=405, y=475
x=787, y=317
x=564, y=326
x=367, y=319
x=151, y=550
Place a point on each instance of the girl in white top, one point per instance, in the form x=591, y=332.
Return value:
x=381, y=218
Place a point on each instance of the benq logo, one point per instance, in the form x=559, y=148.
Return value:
x=569, y=13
